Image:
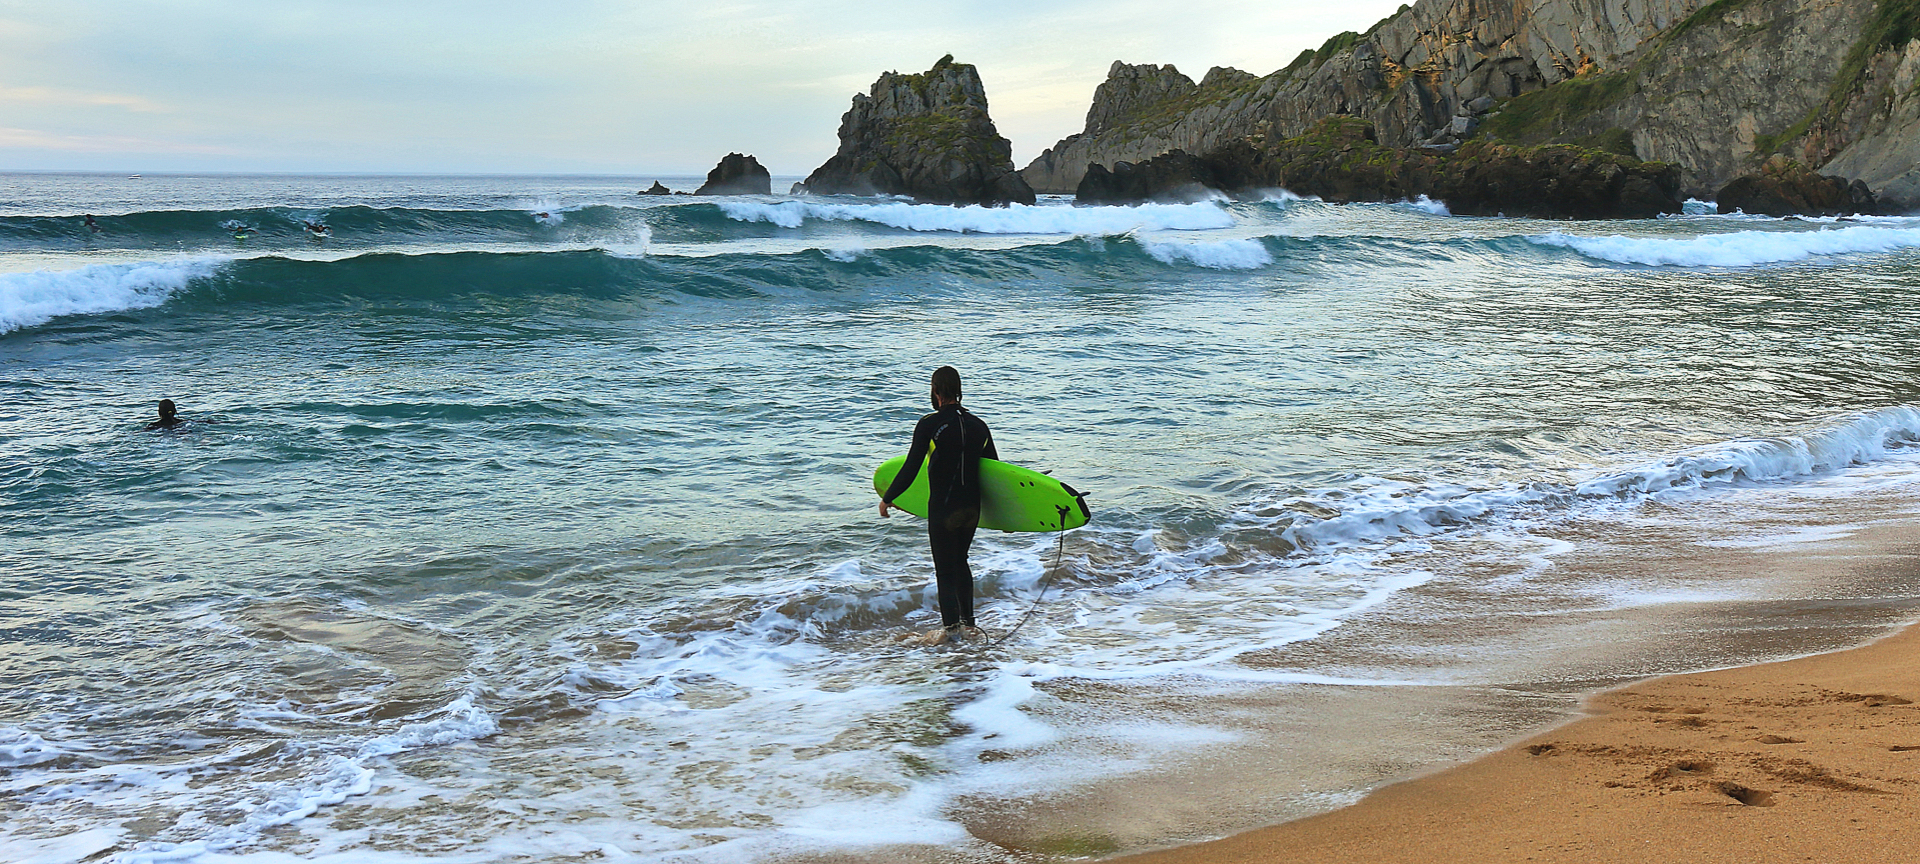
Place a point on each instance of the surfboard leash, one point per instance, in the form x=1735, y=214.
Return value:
x=1058, y=552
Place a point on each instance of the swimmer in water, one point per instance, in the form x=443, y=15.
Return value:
x=169, y=418
x=317, y=229
x=94, y=226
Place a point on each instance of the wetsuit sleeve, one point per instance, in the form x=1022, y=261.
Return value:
x=987, y=450
x=922, y=434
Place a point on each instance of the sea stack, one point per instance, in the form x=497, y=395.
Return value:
x=927, y=136
x=737, y=174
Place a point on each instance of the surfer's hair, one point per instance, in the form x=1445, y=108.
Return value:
x=946, y=382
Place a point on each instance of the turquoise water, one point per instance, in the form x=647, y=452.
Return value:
x=525, y=516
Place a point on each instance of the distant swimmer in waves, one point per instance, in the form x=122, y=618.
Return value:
x=92, y=225
x=242, y=232
x=317, y=229
x=169, y=418
x=951, y=441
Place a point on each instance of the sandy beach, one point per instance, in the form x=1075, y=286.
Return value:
x=1811, y=759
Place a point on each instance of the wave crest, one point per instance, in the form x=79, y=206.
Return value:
x=1736, y=249
x=1012, y=219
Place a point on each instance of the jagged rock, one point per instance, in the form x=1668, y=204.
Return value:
x=1131, y=90
x=1342, y=160
x=1225, y=76
x=737, y=174
x=926, y=135
x=797, y=189
x=656, y=189
x=1787, y=188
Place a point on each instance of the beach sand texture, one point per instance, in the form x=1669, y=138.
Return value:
x=1812, y=759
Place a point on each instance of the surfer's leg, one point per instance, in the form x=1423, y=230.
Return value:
x=963, y=538
x=950, y=536
x=945, y=575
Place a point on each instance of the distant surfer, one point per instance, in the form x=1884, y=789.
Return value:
x=92, y=225
x=956, y=441
x=319, y=230
x=169, y=417
x=242, y=231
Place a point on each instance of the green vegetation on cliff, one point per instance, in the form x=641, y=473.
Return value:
x=1539, y=117
x=941, y=132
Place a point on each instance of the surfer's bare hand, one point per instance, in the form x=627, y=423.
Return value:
x=883, y=509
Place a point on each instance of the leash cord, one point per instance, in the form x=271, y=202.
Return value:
x=1058, y=552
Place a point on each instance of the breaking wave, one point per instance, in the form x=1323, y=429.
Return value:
x=1739, y=248
x=1012, y=219
x=32, y=299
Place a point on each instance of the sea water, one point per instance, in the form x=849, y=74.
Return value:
x=527, y=518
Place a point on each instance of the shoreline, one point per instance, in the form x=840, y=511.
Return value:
x=1810, y=758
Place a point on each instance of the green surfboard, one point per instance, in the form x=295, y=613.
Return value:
x=1012, y=498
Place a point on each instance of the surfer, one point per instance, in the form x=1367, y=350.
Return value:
x=169, y=417
x=317, y=229
x=92, y=225
x=956, y=441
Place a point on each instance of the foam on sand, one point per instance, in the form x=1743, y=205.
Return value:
x=32, y=299
x=1736, y=249
x=1012, y=219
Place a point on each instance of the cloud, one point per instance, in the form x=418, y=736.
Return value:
x=57, y=96
x=34, y=139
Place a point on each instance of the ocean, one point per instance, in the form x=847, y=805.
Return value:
x=527, y=518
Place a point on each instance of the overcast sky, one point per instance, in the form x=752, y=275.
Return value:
x=568, y=86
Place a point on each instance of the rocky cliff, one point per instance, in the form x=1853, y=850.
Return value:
x=927, y=136
x=1715, y=88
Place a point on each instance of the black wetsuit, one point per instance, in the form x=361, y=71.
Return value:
x=957, y=441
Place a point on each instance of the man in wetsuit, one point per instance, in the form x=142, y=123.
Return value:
x=956, y=441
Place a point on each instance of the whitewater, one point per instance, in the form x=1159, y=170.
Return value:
x=528, y=518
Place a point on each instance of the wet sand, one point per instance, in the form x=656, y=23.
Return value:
x=1811, y=759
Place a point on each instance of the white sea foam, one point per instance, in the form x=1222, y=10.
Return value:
x=1012, y=219
x=1697, y=207
x=1739, y=248
x=1428, y=205
x=844, y=254
x=341, y=778
x=19, y=748
x=1218, y=255
x=633, y=246
x=32, y=299
x=1389, y=509
x=1282, y=196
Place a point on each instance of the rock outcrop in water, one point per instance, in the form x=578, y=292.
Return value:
x=1715, y=88
x=1341, y=160
x=737, y=174
x=927, y=136
x=1787, y=188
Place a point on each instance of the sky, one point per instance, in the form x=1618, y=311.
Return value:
x=568, y=86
